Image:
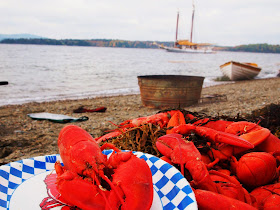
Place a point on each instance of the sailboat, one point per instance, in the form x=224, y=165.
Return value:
x=187, y=46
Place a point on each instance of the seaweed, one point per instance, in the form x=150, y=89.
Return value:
x=267, y=117
x=143, y=138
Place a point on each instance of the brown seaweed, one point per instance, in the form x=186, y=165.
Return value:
x=143, y=138
x=267, y=117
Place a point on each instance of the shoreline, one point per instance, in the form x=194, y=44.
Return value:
x=112, y=93
x=22, y=137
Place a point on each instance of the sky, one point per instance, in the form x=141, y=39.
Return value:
x=220, y=22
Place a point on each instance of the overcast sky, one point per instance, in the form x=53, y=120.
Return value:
x=222, y=22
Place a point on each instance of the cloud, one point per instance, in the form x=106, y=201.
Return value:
x=223, y=22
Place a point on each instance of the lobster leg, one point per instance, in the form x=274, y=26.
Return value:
x=160, y=119
x=108, y=136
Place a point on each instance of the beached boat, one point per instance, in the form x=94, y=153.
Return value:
x=187, y=46
x=240, y=71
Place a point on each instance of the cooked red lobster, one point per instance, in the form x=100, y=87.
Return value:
x=230, y=165
x=242, y=154
x=89, y=180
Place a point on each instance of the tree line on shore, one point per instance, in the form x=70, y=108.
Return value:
x=93, y=42
x=264, y=48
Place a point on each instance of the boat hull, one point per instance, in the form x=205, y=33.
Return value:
x=188, y=50
x=239, y=71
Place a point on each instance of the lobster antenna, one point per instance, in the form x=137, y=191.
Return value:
x=181, y=162
x=113, y=188
x=101, y=191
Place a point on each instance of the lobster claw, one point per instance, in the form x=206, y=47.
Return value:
x=167, y=143
x=214, y=135
x=177, y=119
x=131, y=176
x=210, y=200
x=178, y=150
x=175, y=148
x=223, y=137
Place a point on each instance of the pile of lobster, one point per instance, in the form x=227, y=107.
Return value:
x=230, y=165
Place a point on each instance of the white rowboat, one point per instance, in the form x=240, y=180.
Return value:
x=240, y=71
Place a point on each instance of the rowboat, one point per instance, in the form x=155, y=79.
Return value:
x=240, y=71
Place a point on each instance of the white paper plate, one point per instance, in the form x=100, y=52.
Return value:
x=22, y=184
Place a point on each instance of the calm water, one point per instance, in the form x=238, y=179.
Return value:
x=43, y=73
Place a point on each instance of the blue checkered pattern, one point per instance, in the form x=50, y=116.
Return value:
x=15, y=173
x=173, y=189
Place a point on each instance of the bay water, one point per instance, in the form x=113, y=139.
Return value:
x=45, y=73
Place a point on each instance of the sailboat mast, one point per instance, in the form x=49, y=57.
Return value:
x=192, y=24
x=176, y=38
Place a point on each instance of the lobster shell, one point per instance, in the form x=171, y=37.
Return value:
x=256, y=169
x=268, y=196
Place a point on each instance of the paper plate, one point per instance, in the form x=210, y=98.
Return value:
x=22, y=184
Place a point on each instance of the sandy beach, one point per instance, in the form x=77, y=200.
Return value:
x=22, y=137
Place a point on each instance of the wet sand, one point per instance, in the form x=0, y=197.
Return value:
x=22, y=137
